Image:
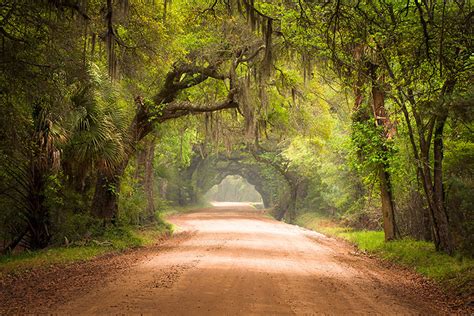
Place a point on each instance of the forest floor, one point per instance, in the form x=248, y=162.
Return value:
x=228, y=260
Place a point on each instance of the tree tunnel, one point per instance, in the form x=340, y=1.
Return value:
x=277, y=190
x=234, y=188
x=212, y=170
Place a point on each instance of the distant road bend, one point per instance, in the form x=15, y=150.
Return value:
x=233, y=259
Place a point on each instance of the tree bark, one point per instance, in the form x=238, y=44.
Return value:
x=292, y=178
x=105, y=201
x=381, y=119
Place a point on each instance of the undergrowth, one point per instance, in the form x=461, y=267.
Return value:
x=452, y=272
x=112, y=239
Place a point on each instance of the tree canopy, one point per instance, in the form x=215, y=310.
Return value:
x=112, y=110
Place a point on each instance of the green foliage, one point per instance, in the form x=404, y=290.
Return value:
x=370, y=148
x=132, y=203
x=459, y=165
x=98, y=124
x=74, y=228
x=176, y=143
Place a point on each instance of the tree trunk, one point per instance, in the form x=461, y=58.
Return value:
x=105, y=201
x=445, y=242
x=266, y=199
x=429, y=193
x=381, y=119
x=290, y=204
x=149, y=182
x=422, y=158
x=283, y=205
x=388, y=211
x=107, y=190
x=38, y=218
x=437, y=213
x=293, y=207
x=433, y=186
x=145, y=176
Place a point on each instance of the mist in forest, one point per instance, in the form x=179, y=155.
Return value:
x=233, y=189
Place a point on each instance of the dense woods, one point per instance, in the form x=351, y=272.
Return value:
x=114, y=110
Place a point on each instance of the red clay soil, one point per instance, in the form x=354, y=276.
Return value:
x=228, y=260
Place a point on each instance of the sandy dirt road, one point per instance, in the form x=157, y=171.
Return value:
x=234, y=260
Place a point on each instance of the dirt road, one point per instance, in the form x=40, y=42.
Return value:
x=235, y=260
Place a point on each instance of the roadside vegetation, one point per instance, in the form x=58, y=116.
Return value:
x=99, y=242
x=454, y=273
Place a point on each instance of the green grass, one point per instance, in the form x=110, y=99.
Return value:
x=453, y=272
x=115, y=239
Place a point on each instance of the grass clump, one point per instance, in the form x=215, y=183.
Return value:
x=454, y=272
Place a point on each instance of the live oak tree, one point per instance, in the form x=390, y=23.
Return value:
x=162, y=108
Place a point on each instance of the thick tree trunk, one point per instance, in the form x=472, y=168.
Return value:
x=107, y=190
x=105, y=201
x=189, y=191
x=386, y=193
x=290, y=204
x=283, y=206
x=254, y=177
x=293, y=207
x=266, y=199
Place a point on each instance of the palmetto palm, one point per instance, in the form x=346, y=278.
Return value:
x=97, y=131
